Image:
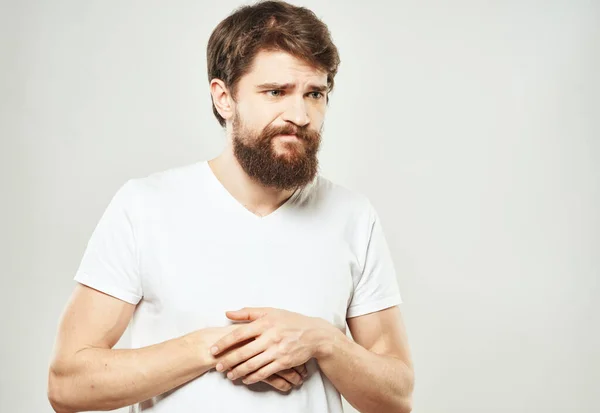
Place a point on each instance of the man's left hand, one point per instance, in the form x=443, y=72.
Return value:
x=282, y=340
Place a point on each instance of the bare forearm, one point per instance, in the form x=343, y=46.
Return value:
x=106, y=379
x=370, y=382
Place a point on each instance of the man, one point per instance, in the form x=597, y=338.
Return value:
x=239, y=274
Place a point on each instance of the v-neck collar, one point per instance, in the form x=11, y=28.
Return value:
x=238, y=205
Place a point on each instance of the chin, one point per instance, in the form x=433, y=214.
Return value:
x=290, y=157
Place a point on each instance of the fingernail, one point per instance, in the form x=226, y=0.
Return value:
x=219, y=367
x=230, y=375
x=214, y=350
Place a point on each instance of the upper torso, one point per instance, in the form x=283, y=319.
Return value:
x=201, y=253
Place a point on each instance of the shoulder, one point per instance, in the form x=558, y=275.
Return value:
x=168, y=184
x=140, y=195
x=167, y=180
x=339, y=201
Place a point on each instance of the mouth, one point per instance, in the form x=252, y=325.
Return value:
x=288, y=137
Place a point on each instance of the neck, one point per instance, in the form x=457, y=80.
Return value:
x=255, y=197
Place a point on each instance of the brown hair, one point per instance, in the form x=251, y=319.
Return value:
x=268, y=25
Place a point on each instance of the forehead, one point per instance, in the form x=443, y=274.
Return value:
x=282, y=67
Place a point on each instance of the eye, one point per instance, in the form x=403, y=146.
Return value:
x=316, y=95
x=274, y=93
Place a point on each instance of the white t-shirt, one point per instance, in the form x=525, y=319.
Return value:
x=182, y=248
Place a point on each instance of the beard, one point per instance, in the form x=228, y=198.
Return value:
x=295, y=165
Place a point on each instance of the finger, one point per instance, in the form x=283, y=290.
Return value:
x=292, y=376
x=246, y=314
x=241, y=354
x=242, y=333
x=250, y=366
x=264, y=372
x=302, y=370
x=278, y=383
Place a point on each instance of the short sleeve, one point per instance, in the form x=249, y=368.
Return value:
x=377, y=287
x=110, y=263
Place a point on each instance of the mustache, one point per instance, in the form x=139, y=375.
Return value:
x=304, y=133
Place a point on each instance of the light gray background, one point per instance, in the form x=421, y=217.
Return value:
x=473, y=126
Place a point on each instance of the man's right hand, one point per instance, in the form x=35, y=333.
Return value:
x=283, y=381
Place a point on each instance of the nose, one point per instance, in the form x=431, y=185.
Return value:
x=296, y=112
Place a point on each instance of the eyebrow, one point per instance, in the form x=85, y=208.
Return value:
x=290, y=86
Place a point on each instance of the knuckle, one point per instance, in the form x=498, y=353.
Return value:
x=286, y=360
x=284, y=363
x=276, y=337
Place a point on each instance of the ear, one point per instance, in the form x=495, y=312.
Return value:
x=222, y=99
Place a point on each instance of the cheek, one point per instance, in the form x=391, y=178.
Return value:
x=317, y=116
x=257, y=115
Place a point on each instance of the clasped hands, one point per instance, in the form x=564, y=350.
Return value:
x=273, y=346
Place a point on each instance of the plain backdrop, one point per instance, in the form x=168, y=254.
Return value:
x=473, y=127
